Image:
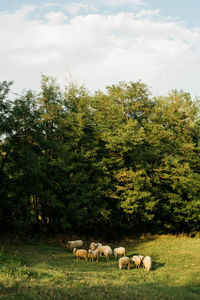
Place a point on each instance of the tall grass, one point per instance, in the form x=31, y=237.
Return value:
x=47, y=271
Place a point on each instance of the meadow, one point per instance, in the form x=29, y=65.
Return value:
x=46, y=270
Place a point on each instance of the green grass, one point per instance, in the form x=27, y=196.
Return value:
x=48, y=271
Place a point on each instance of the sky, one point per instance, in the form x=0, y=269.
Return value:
x=98, y=43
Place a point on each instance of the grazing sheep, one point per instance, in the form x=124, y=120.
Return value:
x=141, y=257
x=93, y=245
x=107, y=251
x=100, y=249
x=119, y=251
x=124, y=261
x=74, y=244
x=93, y=254
x=147, y=262
x=136, y=260
x=78, y=253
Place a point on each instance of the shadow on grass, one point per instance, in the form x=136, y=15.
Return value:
x=156, y=265
x=94, y=291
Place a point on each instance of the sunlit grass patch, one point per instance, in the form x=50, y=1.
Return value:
x=42, y=271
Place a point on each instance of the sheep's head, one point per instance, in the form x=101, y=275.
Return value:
x=134, y=258
x=90, y=251
x=74, y=250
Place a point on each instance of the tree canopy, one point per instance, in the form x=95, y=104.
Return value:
x=109, y=161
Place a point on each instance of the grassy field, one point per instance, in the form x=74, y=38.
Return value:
x=49, y=271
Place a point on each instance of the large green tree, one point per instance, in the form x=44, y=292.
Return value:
x=72, y=160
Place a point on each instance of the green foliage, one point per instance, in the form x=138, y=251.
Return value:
x=72, y=161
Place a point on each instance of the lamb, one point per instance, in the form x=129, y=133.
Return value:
x=119, y=251
x=147, y=262
x=93, y=254
x=124, y=261
x=74, y=244
x=137, y=260
x=78, y=253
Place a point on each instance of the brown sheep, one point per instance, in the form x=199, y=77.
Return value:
x=80, y=253
x=93, y=255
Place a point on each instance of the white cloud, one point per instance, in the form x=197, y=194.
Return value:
x=99, y=50
x=148, y=13
x=25, y=10
x=50, y=4
x=121, y=2
x=74, y=8
x=55, y=18
x=90, y=6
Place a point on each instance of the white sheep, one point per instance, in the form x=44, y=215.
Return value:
x=119, y=251
x=141, y=257
x=100, y=249
x=74, y=244
x=94, y=245
x=147, y=262
x=80, y=253
x=137, y=260
x=107, y=251
x=124, y=261
x=93, y=254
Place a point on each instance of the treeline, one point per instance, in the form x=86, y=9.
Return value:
x=120, y=160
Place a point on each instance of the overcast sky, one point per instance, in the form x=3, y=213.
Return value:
x=101, y=42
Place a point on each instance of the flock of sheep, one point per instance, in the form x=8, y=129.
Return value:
x=97, y=249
